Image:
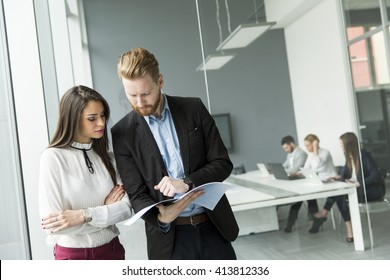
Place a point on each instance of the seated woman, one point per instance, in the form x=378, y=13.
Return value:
x=363, y=173
x=321, y=161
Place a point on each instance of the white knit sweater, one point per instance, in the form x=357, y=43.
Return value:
x=65, y=183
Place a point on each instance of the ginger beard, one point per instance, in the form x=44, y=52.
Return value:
x=148, y=110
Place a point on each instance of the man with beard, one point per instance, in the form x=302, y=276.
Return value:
x=296, y=158
x=167, y=146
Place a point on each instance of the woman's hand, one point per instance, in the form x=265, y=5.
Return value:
x=316, y=146
x=335, y=178
x=116, y=194
x=62, y=220
x=356, y=183
x=69, y=218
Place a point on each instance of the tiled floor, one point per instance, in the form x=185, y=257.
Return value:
x=328, y=244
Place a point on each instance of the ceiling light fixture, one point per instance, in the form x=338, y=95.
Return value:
x=241, y=37
x=244, y=34
x=215, y=62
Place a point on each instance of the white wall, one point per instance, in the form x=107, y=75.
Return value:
x=284, y=12
x=321, y=85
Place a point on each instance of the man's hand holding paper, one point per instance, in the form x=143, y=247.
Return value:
x=206, y=195
x=172, y=211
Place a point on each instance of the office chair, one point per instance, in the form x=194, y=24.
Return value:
x=372, y=206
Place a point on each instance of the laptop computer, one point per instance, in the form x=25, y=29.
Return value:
x=311, y=175
x=279, y=173
x=263, y=170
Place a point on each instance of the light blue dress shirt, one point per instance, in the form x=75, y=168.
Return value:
x=164, y=133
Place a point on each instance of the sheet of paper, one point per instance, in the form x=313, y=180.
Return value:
x=213, y=193
x=143, y=211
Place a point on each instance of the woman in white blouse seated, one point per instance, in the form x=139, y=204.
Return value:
x=80, y=193
x=321, y=161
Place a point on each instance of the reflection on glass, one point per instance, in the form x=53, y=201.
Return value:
x=359, y=59
x=374, y=135
x=357, y=13
x=368, y=59
x=379, y=59
x=369, y=69
x=370, y=78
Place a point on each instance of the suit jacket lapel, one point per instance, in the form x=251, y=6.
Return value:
x=147, y=137
x=179, y=119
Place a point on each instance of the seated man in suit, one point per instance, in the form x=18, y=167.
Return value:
x=167, y=145
x=296, y=158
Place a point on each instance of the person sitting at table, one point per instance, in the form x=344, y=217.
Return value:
x=321, y=161
x=361, y=173
x=296, y=158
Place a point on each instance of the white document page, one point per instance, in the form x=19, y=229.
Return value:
x=213, y=193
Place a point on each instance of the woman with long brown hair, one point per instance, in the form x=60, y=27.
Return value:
x=361, y=171
x=80, y=194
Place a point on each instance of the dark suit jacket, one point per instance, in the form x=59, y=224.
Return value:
x=141, y=166
x=372, y=178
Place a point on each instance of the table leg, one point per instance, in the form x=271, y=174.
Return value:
x=356, y=222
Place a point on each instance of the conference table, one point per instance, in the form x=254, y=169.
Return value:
x=253, y=192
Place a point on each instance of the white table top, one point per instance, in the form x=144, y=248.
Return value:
x=255, y=188
x=300, y=186
x=241, y=195
x=265, y=192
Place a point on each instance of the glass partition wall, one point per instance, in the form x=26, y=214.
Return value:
x=367, y=34
x=249, y=73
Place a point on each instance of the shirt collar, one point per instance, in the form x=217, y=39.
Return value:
x=294, y=152
x=78, y=145
x=151, y=118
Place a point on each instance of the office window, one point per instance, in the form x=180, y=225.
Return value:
x=359, y=58
x=368, y=59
